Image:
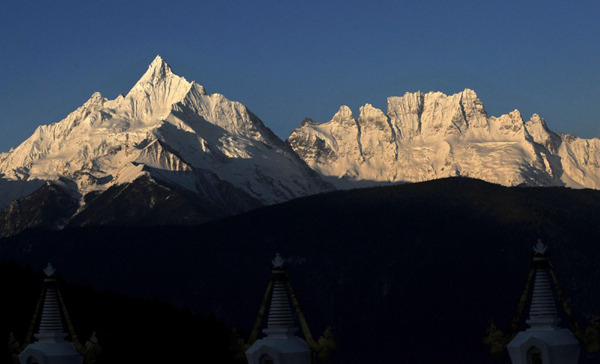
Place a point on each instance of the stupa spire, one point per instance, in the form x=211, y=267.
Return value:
x=281, y=320
x=281, y=345
x=51, y=327
x=542, y=313
x=544, y=342
x=50, y=345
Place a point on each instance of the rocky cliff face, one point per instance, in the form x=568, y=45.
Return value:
x=429, y=136
x=170, y=131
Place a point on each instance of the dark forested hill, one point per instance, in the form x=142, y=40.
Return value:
x=409, y=272
x=128, y=330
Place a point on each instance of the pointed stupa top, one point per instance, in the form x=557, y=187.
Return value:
x=278, y=261
x=49, y=271
x=540, y=248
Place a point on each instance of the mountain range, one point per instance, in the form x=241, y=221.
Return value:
x=168, y=152
x=426, y=136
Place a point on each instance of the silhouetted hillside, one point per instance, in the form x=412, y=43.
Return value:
x=128, y=330
x=409, y=272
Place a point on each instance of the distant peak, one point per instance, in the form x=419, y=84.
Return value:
x=199, y=87
x=343, y=115
x=469, y=93
x=308, y=121
x=515, y=114
x=370, y=111
x=96, y=98
x=345, y=110
x=536, y=119
x=369, y=108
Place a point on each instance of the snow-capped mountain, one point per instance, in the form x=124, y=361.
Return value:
x=429, y=136
x=168, y=130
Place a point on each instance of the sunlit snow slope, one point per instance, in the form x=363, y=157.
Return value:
x=429, y=136
x=166, y=128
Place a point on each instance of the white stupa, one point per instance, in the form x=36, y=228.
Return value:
x=544, y=342
x=281, y=345
x=50, y=346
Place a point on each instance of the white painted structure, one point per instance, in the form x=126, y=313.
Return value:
x=51, y=346
x=281, y=345
x=544, y=342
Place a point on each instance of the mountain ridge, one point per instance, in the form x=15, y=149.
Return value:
x=431, y=135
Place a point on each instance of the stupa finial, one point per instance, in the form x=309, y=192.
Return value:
x=278, y=261
x=49, y=270
x=540, y=248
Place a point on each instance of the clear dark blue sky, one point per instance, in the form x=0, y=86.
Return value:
x=289, y=60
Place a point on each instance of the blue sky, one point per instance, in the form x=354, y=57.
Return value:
x=288, y=60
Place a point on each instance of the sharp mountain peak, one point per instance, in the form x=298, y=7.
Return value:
x=211, y=143
x=159, y=69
